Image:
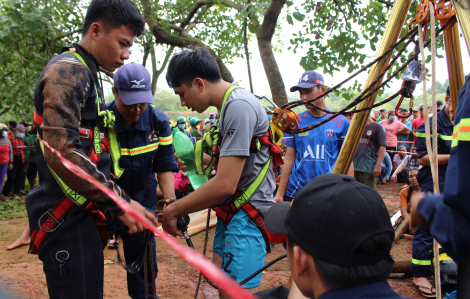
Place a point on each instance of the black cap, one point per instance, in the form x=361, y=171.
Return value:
x=330, y=217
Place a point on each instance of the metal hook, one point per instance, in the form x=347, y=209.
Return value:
x=398, y=106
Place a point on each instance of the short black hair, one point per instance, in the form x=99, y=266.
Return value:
x=439, y=102
x=448, y=91
x=192, y=62
x=402, y=146
x=114, y=14
x=13, y=123
x=338, y=277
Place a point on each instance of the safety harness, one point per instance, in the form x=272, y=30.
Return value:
x=52, y=219
x=209, y=144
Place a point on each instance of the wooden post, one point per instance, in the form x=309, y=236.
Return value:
x=392, y=32
x=454, y=63
x=463, y=15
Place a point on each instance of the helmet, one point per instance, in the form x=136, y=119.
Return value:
x=181, y=119
x=212, y=115
x=206, y=121
x=194, y=121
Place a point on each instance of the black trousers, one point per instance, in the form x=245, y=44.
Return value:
x=79, y=243
x=15, y=176
x=32, y=173
x=391, y=154
x=136, y=282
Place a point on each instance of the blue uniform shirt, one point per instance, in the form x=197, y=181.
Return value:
x=444, y=141
x=449, y=215
x=146, y=149
x=375, y=290
x=316, y=150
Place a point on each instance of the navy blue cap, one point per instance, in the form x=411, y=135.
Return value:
x=330, y=217
x=134, y=84
x=309, y=79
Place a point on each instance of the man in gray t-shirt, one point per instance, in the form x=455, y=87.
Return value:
x=243, y=118
x=239, y=247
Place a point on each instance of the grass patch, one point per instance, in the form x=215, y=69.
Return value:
x=12, y=208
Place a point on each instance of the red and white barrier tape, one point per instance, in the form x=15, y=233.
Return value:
x=408, y=153
x=193, y=257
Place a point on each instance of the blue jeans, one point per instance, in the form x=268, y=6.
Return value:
x=404, y=175
x=386, y=168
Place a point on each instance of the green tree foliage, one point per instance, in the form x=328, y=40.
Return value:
x=345, y=34
x=31, y=31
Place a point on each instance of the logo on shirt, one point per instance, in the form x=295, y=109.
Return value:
x=319, y=154
x=369, y=133
x=137, y=84
x=330, y=133
x=303, y=134
x=153, y=137
x=230, y=132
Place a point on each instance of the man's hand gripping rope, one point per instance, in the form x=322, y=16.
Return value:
x=191, y=256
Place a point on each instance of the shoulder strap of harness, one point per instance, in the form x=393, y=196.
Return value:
x=106, y=119
x=209, y=141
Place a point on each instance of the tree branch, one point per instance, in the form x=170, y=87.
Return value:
x=68, y=34
x=157, y=73
x=106, y=72
x=270, y=19
x=163, y=36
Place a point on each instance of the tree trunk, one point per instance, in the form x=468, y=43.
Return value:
x=154, y=70
x=224, y=72
x=276, y=84
x=265, y=35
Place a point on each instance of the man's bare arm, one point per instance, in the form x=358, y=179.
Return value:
x=167, y=185
x=289, y=160
x=223, y=185
x=441, y=159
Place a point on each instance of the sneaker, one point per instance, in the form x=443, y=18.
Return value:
x=112, y=244
x=452, y=295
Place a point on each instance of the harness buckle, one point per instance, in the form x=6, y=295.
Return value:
x=49, y=223
x=258, y=220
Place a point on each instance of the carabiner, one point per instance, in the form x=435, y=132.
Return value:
x=398, y=106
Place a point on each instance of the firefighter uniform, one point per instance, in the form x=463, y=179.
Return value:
x=449, y=214
x=146, y=149
x=423, y=240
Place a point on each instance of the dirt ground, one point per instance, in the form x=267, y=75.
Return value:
x=21, y=273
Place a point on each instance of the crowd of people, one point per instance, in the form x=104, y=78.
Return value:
x=17, y=158
x=267, y=183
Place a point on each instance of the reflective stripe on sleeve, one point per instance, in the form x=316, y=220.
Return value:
x=421, y=262
x=166, y=140
x=461, y=131
x=139, y=150
x=439, y=135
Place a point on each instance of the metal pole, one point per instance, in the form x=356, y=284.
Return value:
x=461, y=7
x=391, y=34
x=454, y=63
